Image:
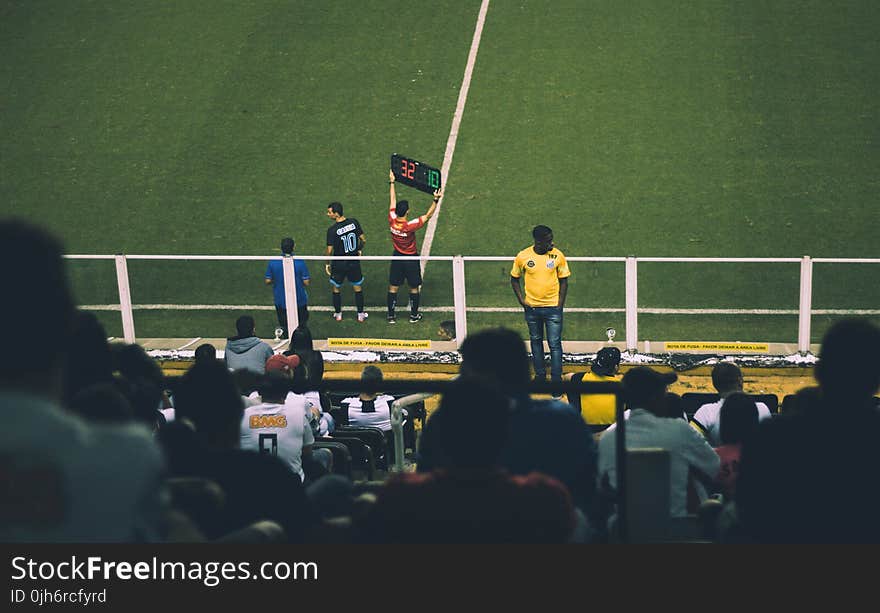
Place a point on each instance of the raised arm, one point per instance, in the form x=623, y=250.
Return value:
x=393, y=195
x=433, y=208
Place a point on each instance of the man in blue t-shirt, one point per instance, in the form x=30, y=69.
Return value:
x=275, y=278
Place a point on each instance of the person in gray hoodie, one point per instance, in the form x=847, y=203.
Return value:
x=246, y=351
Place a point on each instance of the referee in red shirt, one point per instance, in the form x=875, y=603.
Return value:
x=403, y=235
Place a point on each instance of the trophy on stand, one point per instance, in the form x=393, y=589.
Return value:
x=611, y=333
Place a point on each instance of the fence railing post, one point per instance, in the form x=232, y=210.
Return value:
x=632, y=302
x=290, y=295
x=459, y=299
x=805, y=308
x=125, y=298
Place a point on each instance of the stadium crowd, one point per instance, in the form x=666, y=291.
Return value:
x=97, y=445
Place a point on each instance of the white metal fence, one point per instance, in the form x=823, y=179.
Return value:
x=631, y=308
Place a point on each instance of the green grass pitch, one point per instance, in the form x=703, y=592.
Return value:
x=690, y=128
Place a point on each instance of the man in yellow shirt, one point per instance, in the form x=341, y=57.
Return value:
x=546, y=279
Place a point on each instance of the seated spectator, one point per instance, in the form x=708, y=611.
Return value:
x=727, y=379
x=370, y=407
x=279, y=425
x=808, y=477
x=204, y=442
x=804, y=401
x=545, y=436
x=316, y=463
x=468, y=497
x=674, y=407
x=312, y=362
x=143, y=383
x=312, y=365
x=102, y=403
x=64, y=480
x=246, y=351
x=645, y=394
x=248, y=383
x=597, y=409
x=739, y=421
x=205, y=353
x=88, y=358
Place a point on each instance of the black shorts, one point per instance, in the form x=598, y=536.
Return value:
x=342, y=270
x=405, y=269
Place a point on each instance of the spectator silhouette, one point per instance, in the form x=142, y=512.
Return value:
x=809, y=477
x=648, y=426
x=727, y=379
x=468, y=497
x=62, y=478
x=312, y=362
x=88, y=357
x=205, y=352
x=203, y=442
x=312, y=367
x=739, y=422
x=546, y=436
x=674, y=407
x=804, y=400
x=143, y=383
x=102, y=403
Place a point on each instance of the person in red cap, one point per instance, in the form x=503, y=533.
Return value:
x=314, y=463
x=282, y=363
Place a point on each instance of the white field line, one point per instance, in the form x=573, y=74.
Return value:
x=450, y=309
x=453, y=131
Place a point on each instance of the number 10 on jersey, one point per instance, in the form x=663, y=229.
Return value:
x=415, y=174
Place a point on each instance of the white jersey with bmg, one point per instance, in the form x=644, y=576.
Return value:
x=279, y=429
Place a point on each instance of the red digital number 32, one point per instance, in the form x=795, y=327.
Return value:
x=407, y=168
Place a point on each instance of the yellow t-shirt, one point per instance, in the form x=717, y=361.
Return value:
x=598, y=409
x=542, y=274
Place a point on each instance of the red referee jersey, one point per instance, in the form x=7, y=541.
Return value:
x=403, y=233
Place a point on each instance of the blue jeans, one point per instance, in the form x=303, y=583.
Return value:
x=537, y=318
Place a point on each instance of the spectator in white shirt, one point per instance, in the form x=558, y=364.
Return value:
x=370, y=407
x=645, y=394
x=727, y=379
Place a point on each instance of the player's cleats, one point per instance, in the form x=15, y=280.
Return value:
x=337, y=316
x=362, y=316
x=392, y=319
x=414, y=318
